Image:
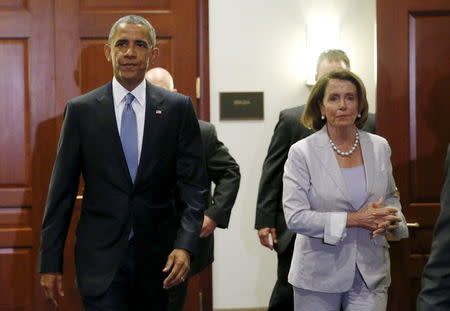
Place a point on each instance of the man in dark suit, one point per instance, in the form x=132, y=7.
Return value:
x=270, y=223
x=435, y=293
x=223, y=171
x=138, y=148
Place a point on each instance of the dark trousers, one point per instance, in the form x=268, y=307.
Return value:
x=177, y=296
x=282, y=298
x=130, y=290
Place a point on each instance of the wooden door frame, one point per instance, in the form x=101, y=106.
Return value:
x=203, y=48
x=205, y=277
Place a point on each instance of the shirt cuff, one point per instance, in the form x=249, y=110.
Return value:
x=335, y=225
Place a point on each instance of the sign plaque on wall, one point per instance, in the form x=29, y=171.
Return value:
x=242, y=106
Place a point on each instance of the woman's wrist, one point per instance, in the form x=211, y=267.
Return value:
x=351, y=219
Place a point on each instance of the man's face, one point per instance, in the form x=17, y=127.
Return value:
x=326, y=66
x=130, y=53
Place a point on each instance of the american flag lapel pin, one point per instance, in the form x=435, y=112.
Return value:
x=158, y=111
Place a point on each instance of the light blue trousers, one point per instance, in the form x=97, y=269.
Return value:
x=358, y=298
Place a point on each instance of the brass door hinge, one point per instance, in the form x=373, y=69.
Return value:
x=200, y=301
x=197, y=87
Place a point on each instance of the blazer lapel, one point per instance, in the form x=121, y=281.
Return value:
x=108, y=119
x=368, y=153
x=153, y=112
x=325, y=154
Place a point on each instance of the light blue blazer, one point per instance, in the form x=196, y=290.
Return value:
x=316, y=202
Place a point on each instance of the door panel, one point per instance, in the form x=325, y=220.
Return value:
x=15, y=167
x=15, y=268
x=27, y=100
x=413, y=98
x=124, y=5
x=430, y=101
x=93, y=69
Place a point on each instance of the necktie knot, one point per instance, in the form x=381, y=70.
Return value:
x=129, y=99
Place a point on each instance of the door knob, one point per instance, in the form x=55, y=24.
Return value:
x=413, y=225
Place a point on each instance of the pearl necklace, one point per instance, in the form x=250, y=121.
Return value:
x=346, y=153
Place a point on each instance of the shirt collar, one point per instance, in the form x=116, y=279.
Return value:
x=119, y=92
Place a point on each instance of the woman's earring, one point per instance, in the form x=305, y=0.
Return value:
x=359, y=115
x=322, y=117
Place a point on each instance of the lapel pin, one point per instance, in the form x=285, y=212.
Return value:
x=158, y=111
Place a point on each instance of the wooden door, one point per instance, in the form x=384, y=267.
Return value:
x=413, y=109
x=27, y=109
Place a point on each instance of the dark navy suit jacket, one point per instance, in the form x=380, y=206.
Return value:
x=164, y=206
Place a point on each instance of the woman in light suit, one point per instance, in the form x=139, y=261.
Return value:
x=339, y=196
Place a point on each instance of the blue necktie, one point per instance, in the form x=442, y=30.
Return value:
x=129, y=136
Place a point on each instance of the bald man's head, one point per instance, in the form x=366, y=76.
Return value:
x=160, y=77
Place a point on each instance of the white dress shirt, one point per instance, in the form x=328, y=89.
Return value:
x=138, y=104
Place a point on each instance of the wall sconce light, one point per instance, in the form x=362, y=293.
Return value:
x=321, y=34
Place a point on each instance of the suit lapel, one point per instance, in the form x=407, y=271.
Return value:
x=325, y=154
x=153, y=112
x=107, y=117
x=368, y=153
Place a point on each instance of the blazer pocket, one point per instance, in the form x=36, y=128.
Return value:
x=380, y=240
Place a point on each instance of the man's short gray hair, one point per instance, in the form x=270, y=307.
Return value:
x=333, y=55
x=135, y=20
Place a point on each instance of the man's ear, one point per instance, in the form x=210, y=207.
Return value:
x=107, y=50
x=155, y=54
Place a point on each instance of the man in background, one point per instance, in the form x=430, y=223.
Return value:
x=223, y=171
x=435, y=293
x=270, y=222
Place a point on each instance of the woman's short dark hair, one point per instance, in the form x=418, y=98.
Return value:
x=311, y=117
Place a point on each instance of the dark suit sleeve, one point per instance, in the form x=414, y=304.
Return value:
x=224, y=172
x=271, y=183
x=61, y=196
x=191, y=181
x=370, y=125
x=435, y=293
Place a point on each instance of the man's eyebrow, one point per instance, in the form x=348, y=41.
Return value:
x=121, y=41
x=142, y=41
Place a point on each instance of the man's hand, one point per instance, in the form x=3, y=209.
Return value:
x=52, y=285
x=208, y=227
x=267, y=237
x=178, y=263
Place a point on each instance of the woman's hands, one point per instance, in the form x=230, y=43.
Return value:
x=374, y=217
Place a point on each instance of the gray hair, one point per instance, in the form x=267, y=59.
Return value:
x=135, y=20
x=334, y=55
